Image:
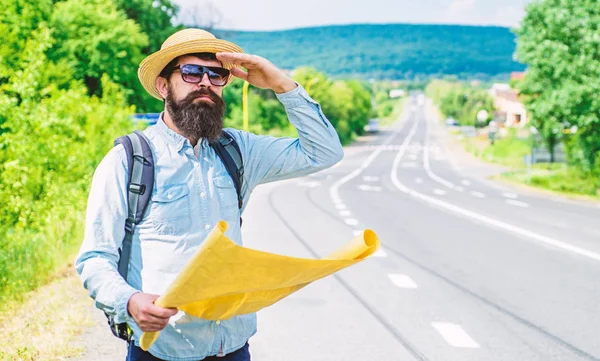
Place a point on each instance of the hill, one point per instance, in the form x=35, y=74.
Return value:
x=388, y=51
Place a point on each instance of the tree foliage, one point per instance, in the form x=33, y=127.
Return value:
x=460, y=101
x=559, y=40
x=52, y=135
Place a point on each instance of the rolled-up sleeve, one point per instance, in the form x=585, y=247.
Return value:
x=98, y=257
x=268, y=159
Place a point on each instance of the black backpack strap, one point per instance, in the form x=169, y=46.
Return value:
x=140, y=165
x=229, y=151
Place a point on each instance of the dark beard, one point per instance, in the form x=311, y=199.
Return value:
x=197, y=120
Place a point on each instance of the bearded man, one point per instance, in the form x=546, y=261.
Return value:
x=192, y=191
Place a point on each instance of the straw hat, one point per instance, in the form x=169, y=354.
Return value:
x=183, y=42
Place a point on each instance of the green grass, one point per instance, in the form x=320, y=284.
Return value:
x=558, y=178
x=507, y=151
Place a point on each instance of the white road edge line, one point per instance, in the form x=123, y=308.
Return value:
x=455, y=335
x=427, y=166
x=334, y=190
x=484, y=219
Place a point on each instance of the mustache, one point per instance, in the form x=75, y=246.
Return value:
x=201, y=92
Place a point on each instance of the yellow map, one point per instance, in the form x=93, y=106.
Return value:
x=224, y=279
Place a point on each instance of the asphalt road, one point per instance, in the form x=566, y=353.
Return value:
x=469, y=270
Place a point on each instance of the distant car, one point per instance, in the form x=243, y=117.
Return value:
x=372, y=126
x=148, y=118
x=451, y=122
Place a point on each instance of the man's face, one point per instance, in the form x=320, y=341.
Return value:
x=196, y=109
x=181, y=89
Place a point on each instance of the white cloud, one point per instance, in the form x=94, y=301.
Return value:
x=459, y=11
x=509, y=16
x=458, y=6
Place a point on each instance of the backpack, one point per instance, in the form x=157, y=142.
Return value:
x=140, y=164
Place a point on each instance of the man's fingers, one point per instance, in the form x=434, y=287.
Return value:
x=239, y=73
x=152, y=326
x=160, y=312
x=248, y=61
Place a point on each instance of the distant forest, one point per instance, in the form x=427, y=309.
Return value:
x=394, y=51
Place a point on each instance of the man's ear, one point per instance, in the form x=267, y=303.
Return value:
x=162, y=86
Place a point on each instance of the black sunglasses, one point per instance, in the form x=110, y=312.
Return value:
x=192, y=73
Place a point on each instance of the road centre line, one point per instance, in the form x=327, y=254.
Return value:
x=479, y=217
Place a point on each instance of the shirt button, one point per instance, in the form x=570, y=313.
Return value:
x=202, y=194
x=207, y=227
x=196, y=165
x=169, y=196
x=218, y=322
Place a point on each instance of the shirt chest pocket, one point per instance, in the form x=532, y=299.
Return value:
x=170, y=209
x=227, y=196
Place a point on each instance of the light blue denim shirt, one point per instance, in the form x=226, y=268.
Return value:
x=192, y=192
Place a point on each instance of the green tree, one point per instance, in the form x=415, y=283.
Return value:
x=18, y=19
x=51, y=139
x=155, y=18
x=559, y=42
x=106, y=43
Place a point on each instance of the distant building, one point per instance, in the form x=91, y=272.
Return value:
x=397, y=93
x=509, y=109
x=517, y=75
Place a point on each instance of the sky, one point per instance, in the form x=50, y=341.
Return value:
x=286, y=14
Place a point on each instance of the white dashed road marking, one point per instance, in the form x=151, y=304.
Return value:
x=454, y=335
x=351, y=221
x=510, y=195
x=402, y=281
x=439, y=192
x=368, y=188
x=309, y=184
x=379, y=254
x=517, y=203
x=478, y=194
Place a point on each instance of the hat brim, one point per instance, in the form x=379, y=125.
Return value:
x=153, y=64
